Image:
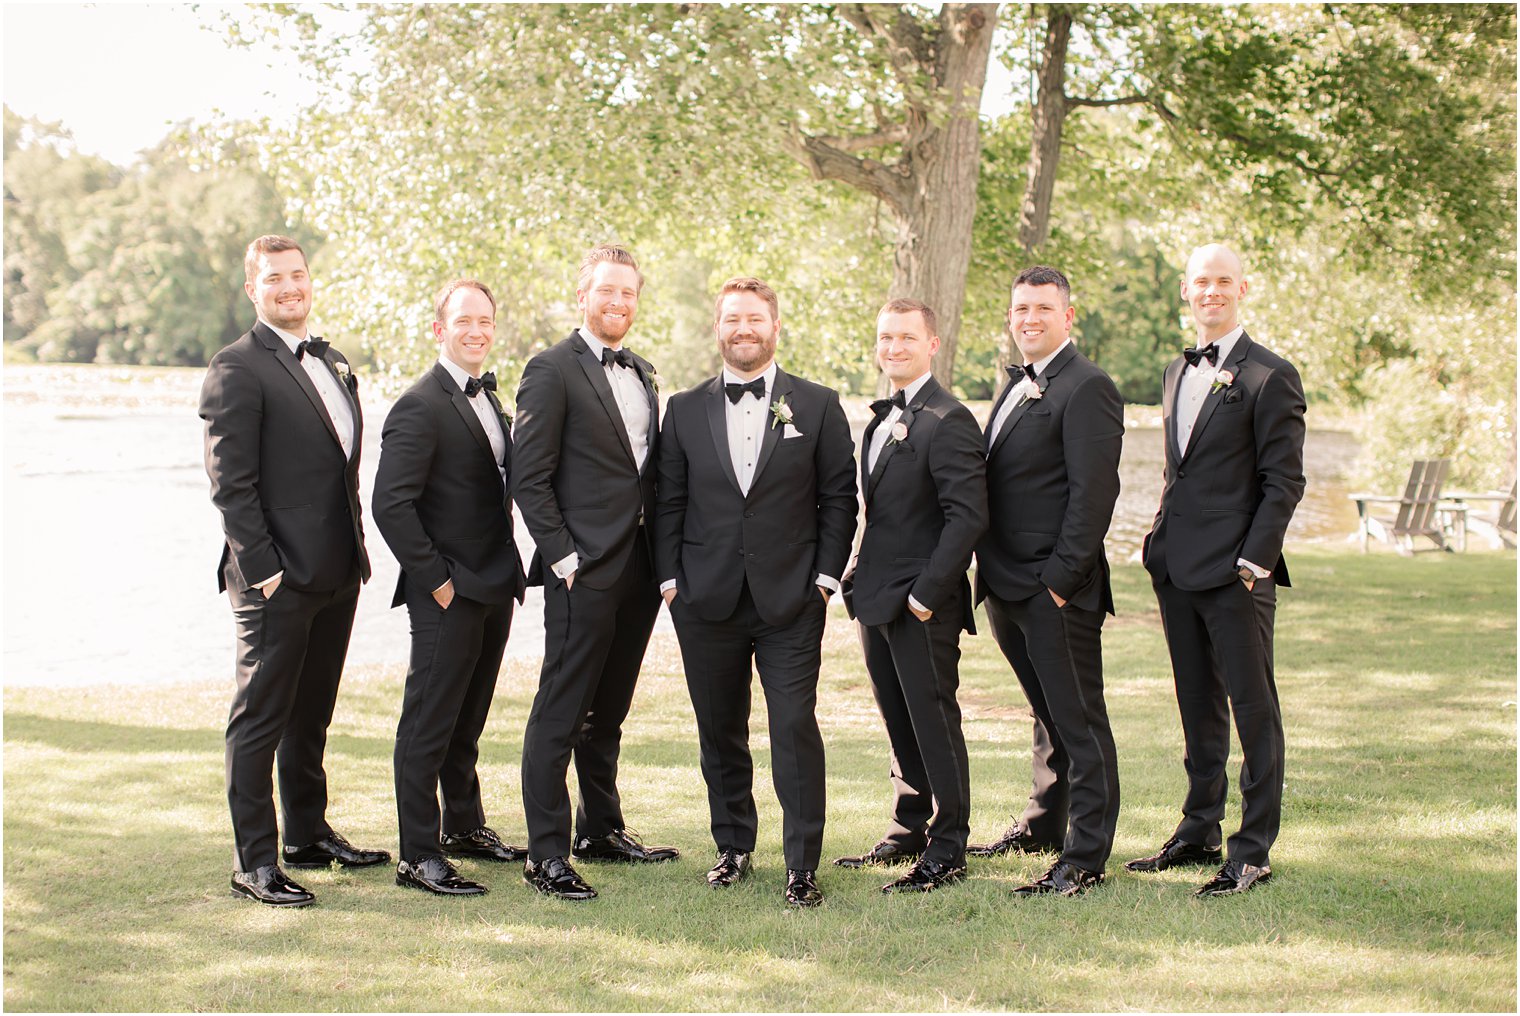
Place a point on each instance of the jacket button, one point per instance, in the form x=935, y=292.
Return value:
x=1181, y=473
x=749, y=515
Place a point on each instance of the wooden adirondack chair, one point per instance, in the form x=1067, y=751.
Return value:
x=1418, y=513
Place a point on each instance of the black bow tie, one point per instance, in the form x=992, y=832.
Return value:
x=736, y=391
x=316, y=347
x=1019, y=371
x=1209, y=353
x=883, y=406
x=620, y=356
x=473, y=386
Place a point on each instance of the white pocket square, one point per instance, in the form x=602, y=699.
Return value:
x=788, y=431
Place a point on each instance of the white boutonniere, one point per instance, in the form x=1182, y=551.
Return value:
x=654, y=380
x=1222, y=379
x=1029, y=388
x=899, y=432
x=781, y=412
x=342, y=369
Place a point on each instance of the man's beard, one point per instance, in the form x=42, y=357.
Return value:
x=604, y=330
x=749, y=357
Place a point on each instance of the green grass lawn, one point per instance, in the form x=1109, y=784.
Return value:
x=1394, y=883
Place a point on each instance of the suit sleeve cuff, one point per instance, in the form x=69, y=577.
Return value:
x=273, y=578
x=828, y=582
x=1256, y=569
x=566, y=566
x=445, y=582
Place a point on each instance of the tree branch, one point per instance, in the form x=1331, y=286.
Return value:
x=828, y=162
x=1129, y=100
x=899, y=33
x=889, y=135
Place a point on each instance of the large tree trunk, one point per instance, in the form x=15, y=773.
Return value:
x=934, y=229
x=931, y=187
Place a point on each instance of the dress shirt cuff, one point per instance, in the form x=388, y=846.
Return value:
x=828, y=582
x=445, y=582
x=567, y=565
x=1256, y=569
x=913, y=602
x=667, y=586
x=275, y=577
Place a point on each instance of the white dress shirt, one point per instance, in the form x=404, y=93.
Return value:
x=1014, y=401
x=633, y=404
x=1196, y=382
x=484, y=411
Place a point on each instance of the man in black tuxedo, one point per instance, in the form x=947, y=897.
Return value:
x=924, y=478
x=583, y=474
x=1233, y=413
x=755, y=519
x=441, y=503
x=1052, y=480
x=283, y=430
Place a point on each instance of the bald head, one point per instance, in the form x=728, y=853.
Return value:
x=1213, y=286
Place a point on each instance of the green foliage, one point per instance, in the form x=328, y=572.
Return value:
x=141, y=266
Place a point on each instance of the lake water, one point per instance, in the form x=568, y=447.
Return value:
x=111, y=542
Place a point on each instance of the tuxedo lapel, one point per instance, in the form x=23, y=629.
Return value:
x=771, y=435
x=1171, y=389
x=1216, y=393
x=717, y=423
x=285, y=358
x=591, y=363
x=466, y=411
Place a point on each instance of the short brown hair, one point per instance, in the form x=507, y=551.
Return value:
x=440, y=302
x=747, y=284
x=271, y=243
x=907, y=305
x=606, y=252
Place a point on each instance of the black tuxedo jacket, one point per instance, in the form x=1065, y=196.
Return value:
x=573, y=471
x=1232, y=494
x=439, y=500
x=1052, y=480
x=797, y=521
x=926, y=507
x=288, y=498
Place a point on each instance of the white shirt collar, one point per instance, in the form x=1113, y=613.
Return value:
x=288, y=338
x=1040, y=365
x=596, y=345
x=458, y=373
x=769, y=373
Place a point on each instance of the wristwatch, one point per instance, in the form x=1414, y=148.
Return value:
x=1246, y=575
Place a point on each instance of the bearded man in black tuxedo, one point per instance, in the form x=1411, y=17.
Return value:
x=1233, y=412
x=283, y=431
x=585, y=447
x=441, y=503
x=924, y=479
x=1052, y=479
x=756, y=514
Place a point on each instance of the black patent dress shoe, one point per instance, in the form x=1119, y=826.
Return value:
x=270, y=886
x=555, y=877
x=731, y=868
x=1017, y=840
x=802, y=888
x=882, y=854
x=926, y=876
x=330, y=848
x=1235, y=877
x=620, y=845
x=1063, y=879
x=482, y=843
x=1175, y=853
x=436, y=875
